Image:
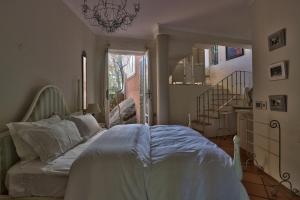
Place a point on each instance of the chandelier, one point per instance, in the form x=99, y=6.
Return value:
x=110, y=16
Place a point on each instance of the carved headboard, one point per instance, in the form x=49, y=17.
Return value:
x=48, y=101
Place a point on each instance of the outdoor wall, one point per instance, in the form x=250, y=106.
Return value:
x=40, y=47
x=133, y=87
x=126, y=44
x=225, y=68
x=182, y=102
x=269, y=16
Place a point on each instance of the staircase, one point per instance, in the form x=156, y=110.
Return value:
x=215, y=105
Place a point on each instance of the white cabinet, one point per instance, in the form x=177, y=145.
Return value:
x=245, y=128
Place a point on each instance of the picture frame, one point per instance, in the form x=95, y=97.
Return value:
x=233, y=52
x=277, y=39
x=278, y=71
x=278, y=103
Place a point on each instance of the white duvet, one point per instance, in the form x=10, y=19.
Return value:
x=137, y=162
x=112, y=167
x=187, y=166
x=62, y=164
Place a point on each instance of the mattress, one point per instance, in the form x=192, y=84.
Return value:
x=35, y=178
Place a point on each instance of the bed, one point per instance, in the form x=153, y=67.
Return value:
x=158, y=162
x=24, y=179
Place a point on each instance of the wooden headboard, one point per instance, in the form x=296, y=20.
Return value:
x=48, y=101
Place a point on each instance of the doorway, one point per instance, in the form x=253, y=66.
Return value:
x=128, y=96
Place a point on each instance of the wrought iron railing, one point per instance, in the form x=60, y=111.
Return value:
x=229, y=89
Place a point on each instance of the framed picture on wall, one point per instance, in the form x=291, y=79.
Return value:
x=277, y=40
x=278, y=71
x=278, y=103
x=232, y=52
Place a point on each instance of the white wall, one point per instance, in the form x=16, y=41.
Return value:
x=270, y=16
x=225, y=68
x=41, y=43
x=179, y=47
x=182, y=102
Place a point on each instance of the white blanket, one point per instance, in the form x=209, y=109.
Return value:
x=62, y=164
x=113, y=166
x=175, y=163
x=187, y=166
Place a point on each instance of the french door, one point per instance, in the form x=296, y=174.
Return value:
x=145, y=89
x=147, y=94
x=106, y=92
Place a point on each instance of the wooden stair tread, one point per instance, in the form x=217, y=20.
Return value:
x=199, y=122
x=226, y=99
x=210, y=116
x=219, y=105
x=213, y=110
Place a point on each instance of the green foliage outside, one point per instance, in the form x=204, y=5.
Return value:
x=116, y=76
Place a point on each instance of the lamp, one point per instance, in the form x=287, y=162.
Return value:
x=110, y=15
x=93, y=108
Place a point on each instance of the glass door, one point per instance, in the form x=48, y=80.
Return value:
x=147, y=95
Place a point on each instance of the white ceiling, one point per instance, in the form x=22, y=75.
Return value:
x=230, y=18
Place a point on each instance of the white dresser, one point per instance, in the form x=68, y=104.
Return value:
x=245, y=128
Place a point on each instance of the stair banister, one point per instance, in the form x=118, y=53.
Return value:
x=206, y=102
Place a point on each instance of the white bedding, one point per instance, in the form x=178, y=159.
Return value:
x=26, y=180
x=184, y=166
x=35, y=178
x=135, y=162
x=63, y=164
x=113, y=167
x=187, y=166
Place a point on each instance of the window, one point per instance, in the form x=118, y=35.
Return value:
x=207, y=58
x=214, y=55
x=129, y=69
x=84, y=81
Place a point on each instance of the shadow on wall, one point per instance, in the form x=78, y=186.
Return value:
x=183, y=102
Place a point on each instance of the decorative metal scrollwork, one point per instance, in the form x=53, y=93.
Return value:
x=284, y=176
x=275, y=124
x=252, y=157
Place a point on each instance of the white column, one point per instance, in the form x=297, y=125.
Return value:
x=162, y=52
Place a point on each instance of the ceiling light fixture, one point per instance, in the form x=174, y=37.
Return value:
x=110, y=16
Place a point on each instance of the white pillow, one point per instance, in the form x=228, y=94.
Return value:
x=50, y=141
x=24, y=150
x=86, y=124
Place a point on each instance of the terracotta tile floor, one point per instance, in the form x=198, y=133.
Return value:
x=257, y=183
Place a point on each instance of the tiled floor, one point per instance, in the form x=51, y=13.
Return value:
x=257, y=183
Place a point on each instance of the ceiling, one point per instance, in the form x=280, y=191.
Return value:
x=229, y=18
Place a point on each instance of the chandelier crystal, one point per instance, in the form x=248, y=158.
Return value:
x=110, y=16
